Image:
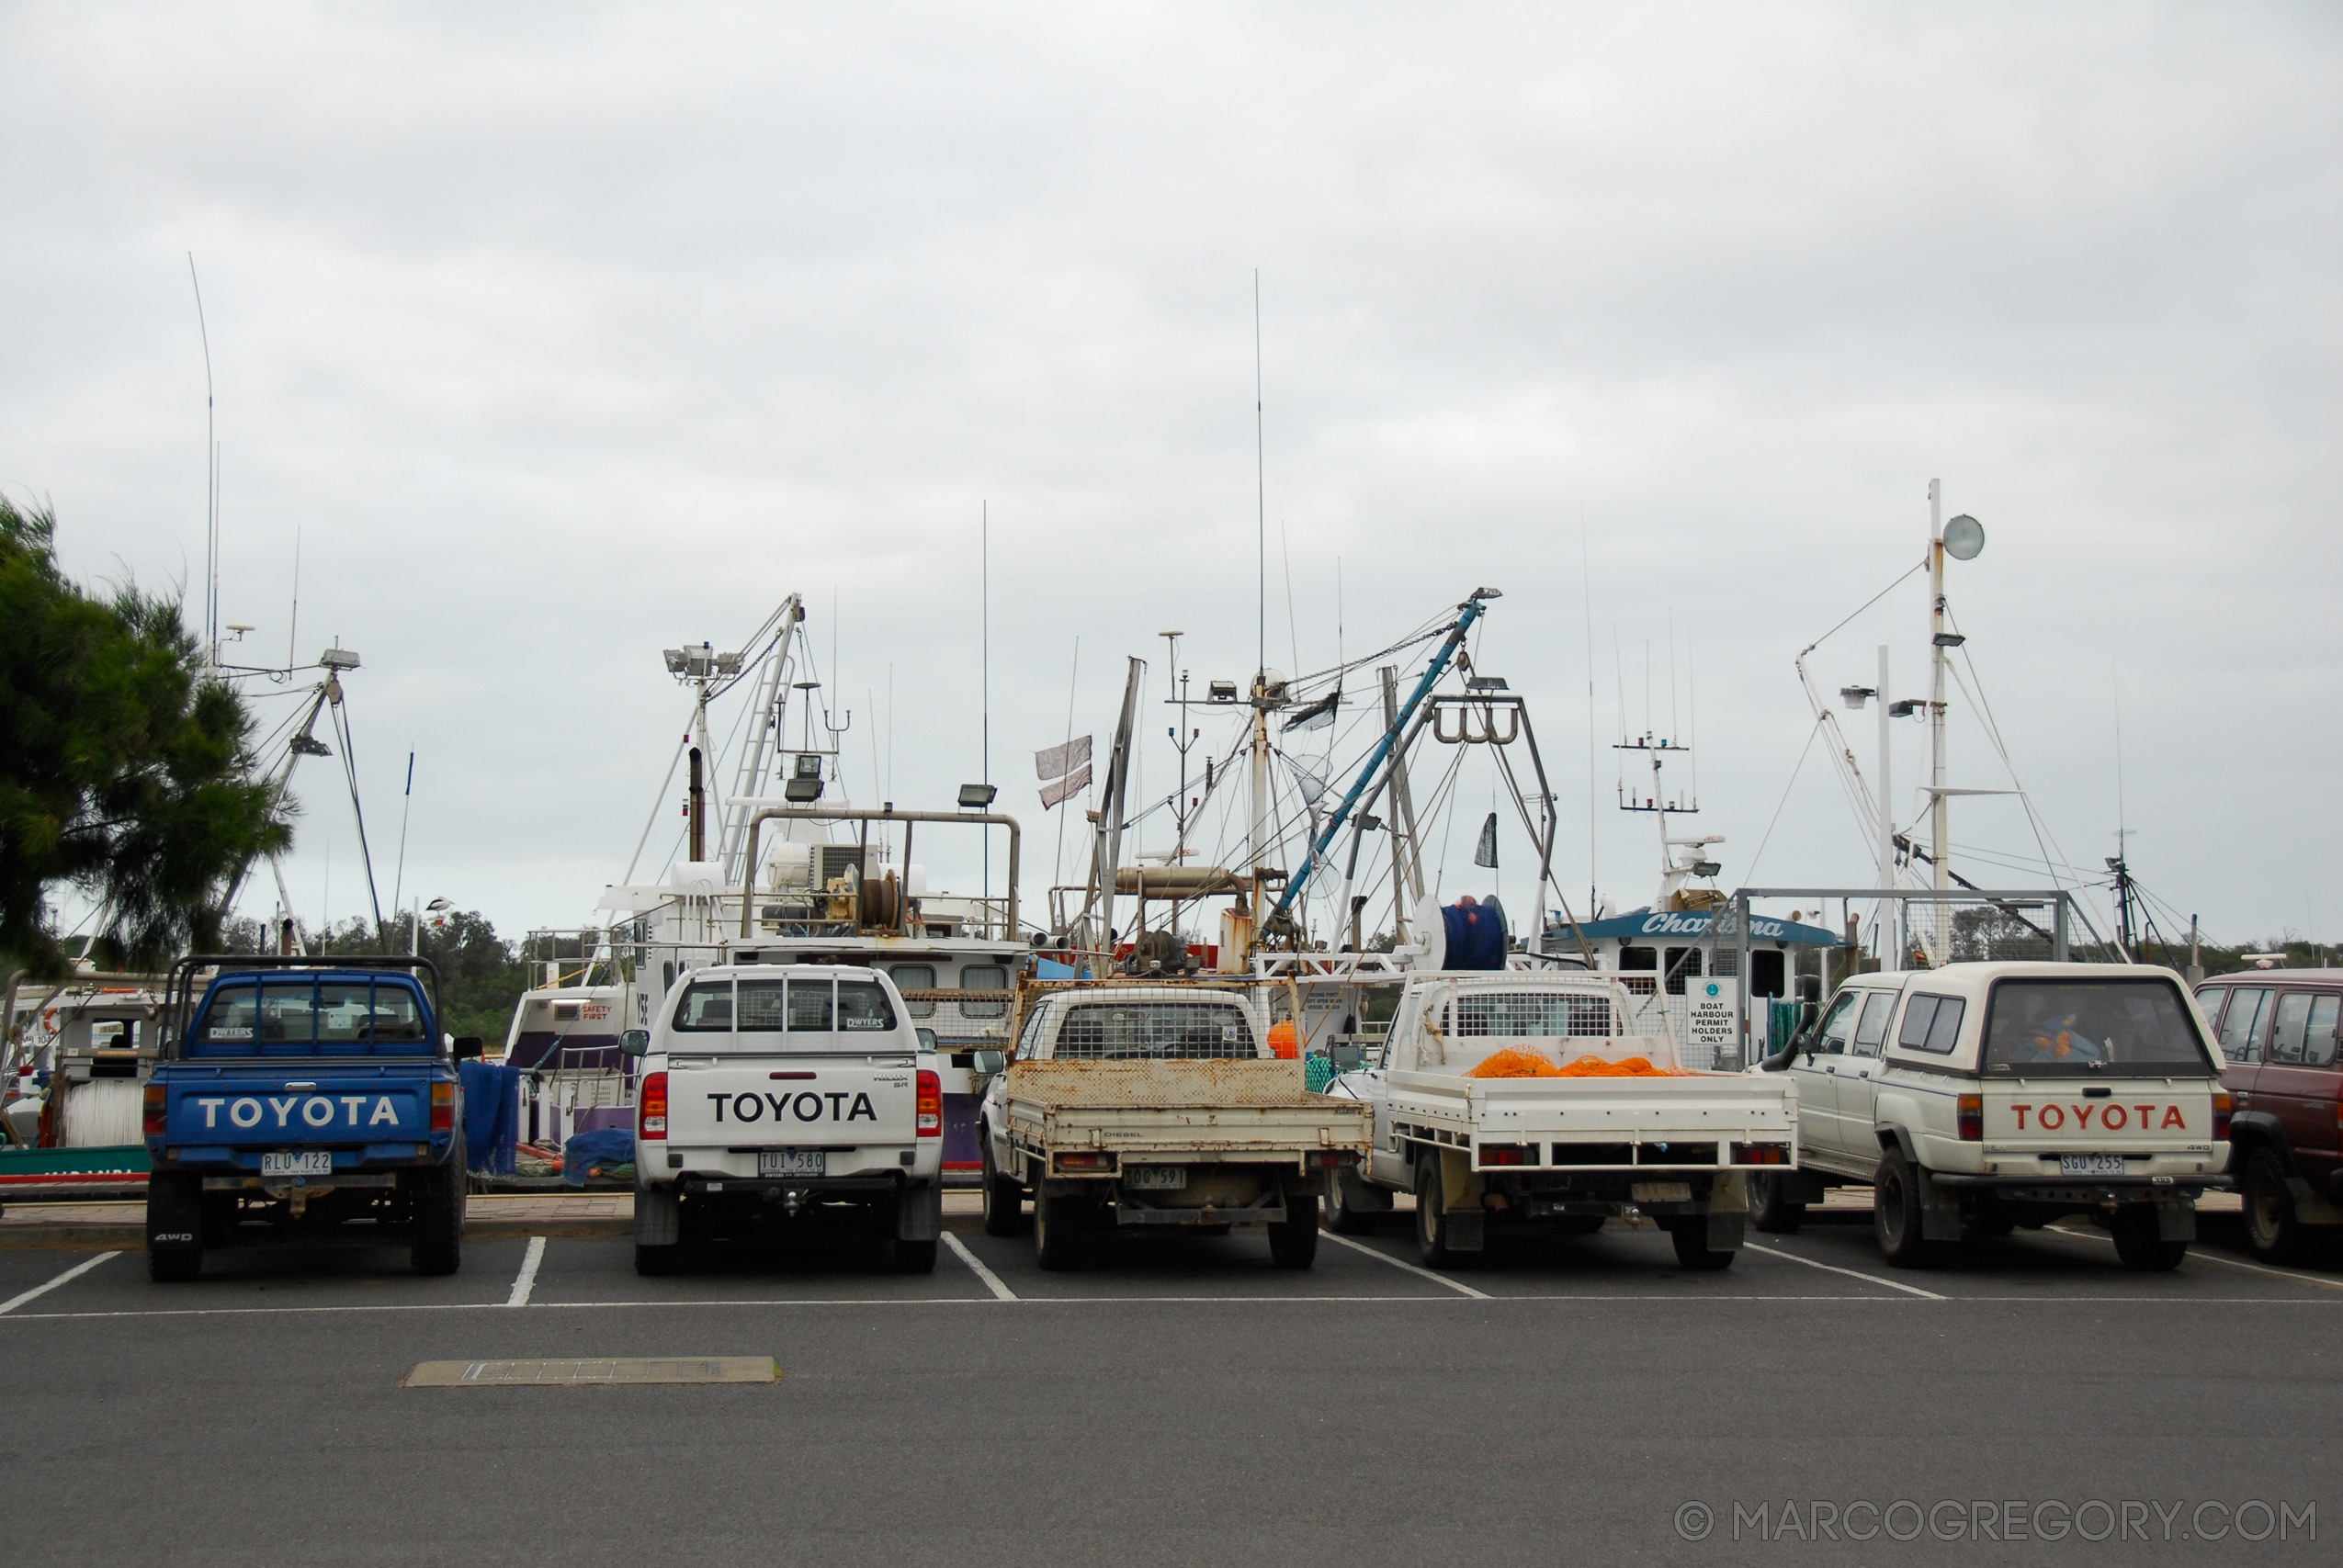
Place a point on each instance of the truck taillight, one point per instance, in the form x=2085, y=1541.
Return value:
x=650, y=1107
x=1760, y=1154
x=931, y=1105
x=153, y=1107
x=1505, y=1154
x=1327, y=1159
x=1079, y=1160
x=443, y=1108
x=1971, y=1115
x=2223, y=1105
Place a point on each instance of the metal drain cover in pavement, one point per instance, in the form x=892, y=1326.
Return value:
x=604, y=1370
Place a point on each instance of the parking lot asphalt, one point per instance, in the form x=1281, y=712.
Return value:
x=1177, y=1399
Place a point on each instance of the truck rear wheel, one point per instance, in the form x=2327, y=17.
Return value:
x=1690, y=1232
x=912, y=1256
x=2271, y=1229
x=1770, y=1209
x=1294, y=1242
x=1896, y=1215
x=436, y=1245
x=1004, y=1201
x=2139, y=1240
x=656, y=1262
x=1432, y=1214
x=1347, y=1216
x=1057, y=1227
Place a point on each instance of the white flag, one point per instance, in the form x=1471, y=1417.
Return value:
x=1072, y=783
x=1060, y=761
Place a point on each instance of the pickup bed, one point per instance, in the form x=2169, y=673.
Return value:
x=1561, y=1153
x=786, y=1097
x=300, y=1095
x=1157, y=1106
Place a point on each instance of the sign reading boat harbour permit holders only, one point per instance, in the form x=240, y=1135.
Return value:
x=1710, y=1026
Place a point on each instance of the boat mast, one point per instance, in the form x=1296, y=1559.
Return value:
x=1940, y=834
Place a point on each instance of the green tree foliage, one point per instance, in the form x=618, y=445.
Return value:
x=481, y=976
x=123, y=772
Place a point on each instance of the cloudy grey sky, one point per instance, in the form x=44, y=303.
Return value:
x=563, y=334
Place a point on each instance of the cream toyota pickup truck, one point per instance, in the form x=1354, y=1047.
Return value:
x=1157, y=1105
x=1978, y=1098
x=776, y=1096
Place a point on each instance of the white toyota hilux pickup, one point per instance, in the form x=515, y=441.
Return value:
x=1978, y=1098
x=783, y=1095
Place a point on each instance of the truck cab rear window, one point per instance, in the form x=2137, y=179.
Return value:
x=2080, y=1028
x=862, y=1007
x=1516, y=1015
x=1121, y=1032
x=705, y=1008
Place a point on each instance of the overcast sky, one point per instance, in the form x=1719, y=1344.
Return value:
x=565, y=333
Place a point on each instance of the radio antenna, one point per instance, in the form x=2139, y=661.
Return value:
x=210, y=481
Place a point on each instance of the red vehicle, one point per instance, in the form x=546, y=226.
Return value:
x=2277, y=1031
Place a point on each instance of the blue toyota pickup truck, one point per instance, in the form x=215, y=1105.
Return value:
x=304, y=1097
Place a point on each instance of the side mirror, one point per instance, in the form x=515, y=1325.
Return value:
x=1810, y=989
x=468, y=1047
x=635, y=1042
x=988, y=1062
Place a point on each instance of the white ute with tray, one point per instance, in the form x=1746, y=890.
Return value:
x=774, y=1097
x=1559, y=1154
x=1976, y=1098
x=1137, y=1105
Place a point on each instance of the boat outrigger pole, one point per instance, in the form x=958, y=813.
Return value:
x=1470, y=611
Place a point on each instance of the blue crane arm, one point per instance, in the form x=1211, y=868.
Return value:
x=1472, y=610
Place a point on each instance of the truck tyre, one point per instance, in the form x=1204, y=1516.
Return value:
x=436, y=1245
x=1690, y=1232
x=1294, y=1242
x=1578, y=1224
x=1344, y=1215
x=1432, y=1214
x=1896, y=1215
x=1771, y=1210
x=2139, y=1240
x=1057, y=1228
x=174, y=1210
x=2271, y=1229
x=912, y=1256
x=1004, y=1201
x=656, y=1262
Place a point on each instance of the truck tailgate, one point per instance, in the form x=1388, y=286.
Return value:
x=2065, y=1115
x=790, y=1100
x=1209, y=1107
x=257, y=1108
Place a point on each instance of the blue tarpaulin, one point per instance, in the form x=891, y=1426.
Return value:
x=491, y=1115
x=605, y=1147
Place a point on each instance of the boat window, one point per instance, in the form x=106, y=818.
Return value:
x=706, y=1008
x=1684, y=962
x=984, y=977
x=915, y=977
x=2319, y=1050
x=2286, y=1034
x=1116, y=1032
x=2241, y=1025
x=862, y=1007
x=2135, y=1028
x=1931, y=1024
x=760, y=1005
x=1766, y=971
x=1872, y=1031
x=1638, y=960
x=810, y=1007
x=1525, y=1015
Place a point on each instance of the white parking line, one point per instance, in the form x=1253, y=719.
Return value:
x=991, y=1282
x=526, y=1281
x=75, y=1272
x=1396, y=1263
x=1851, y=1274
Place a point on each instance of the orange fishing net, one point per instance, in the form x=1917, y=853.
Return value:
x=1514, y=1062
